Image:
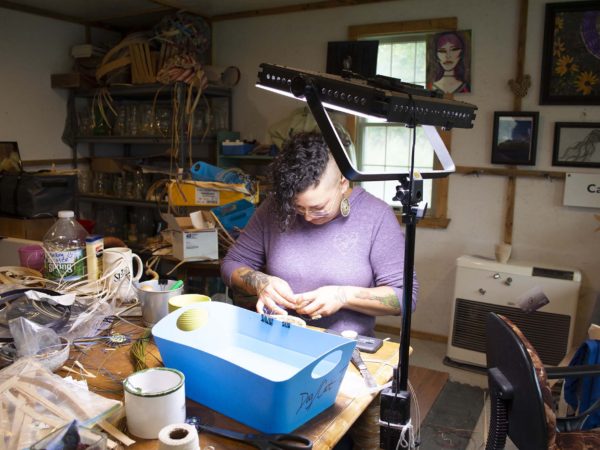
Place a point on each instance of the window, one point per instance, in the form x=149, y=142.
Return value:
x=387, y=146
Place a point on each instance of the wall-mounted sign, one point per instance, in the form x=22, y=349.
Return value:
x=582, y=189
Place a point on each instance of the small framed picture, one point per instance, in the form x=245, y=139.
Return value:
x=576, y=144
x=515, y=138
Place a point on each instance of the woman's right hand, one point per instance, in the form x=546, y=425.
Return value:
x=274, y=295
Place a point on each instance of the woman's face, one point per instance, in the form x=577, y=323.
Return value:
x=448, y=55
x=321, y=203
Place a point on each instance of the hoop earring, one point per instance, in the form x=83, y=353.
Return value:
x=345, y=207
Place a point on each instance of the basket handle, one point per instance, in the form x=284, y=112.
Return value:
x=331, y=362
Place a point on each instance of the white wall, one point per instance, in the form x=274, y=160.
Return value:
x=31, y=112
x=545, y=232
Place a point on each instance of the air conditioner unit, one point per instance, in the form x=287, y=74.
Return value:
x=483, y=285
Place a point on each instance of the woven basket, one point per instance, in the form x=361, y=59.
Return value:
x=131, y=55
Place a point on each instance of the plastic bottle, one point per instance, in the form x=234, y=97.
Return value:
x=64, y=245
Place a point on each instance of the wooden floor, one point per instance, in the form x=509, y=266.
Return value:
x=427, y=384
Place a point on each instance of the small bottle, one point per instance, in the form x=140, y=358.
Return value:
x=94, y=248
x=64, y=245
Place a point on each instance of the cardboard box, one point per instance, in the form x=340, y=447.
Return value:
x=190, y=242
x=205, y=193
x=33, y=229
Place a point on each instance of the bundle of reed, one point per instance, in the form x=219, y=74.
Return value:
x=225, y=239
x=143, y=64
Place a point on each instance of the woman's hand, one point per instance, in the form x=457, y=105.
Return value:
x=321, y=302
x=274, y=294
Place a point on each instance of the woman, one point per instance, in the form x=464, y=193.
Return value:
x=319, y=248
x=450, y=71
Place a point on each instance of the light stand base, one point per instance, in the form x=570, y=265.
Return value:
x=394, y=409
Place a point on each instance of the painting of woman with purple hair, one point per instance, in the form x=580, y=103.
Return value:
x=449, y=62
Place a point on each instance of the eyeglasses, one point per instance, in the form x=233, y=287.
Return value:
x=318, y=212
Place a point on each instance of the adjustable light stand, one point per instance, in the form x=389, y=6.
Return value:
x=401, y=106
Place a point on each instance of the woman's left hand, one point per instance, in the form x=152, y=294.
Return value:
x=321, y=302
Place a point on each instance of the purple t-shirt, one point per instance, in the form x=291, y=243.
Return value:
x=364, y=249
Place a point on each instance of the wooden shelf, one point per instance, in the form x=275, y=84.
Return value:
x=247, y=157
x=138, y=140
x=145, y=91
x=110, y=200
x=509, y=171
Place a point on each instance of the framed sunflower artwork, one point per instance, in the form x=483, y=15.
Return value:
x=571, y=54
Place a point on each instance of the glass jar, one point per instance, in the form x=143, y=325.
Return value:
x=120, y=125
x=147, y=119
x=84, y=181
x=163, y=121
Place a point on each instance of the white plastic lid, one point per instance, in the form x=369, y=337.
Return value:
x=65, y=214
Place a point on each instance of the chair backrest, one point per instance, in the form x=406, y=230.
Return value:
x=519, y=382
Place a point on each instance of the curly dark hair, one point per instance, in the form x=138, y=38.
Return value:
x=298, y=167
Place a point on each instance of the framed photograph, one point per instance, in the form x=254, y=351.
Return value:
x=515, y=138
x=571, y=54
x=576, y=144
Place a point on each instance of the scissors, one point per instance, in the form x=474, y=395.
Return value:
x=262, y=441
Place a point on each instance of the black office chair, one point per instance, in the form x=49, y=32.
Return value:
x=522, y=407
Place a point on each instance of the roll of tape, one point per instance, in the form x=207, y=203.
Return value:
x=350, y=334
x=178, y=436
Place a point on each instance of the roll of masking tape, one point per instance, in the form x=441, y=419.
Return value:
x=178, y=436
x=154, y=398
x=350, y=334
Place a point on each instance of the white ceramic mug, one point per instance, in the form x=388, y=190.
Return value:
x=118, y=266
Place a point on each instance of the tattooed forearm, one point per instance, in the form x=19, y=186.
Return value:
x=340, y=296
x=386, y=300
x=254, y=280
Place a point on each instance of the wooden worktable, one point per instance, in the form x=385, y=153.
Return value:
x=112, y=365
x=354, y=408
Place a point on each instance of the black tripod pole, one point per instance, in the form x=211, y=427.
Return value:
x=395, y=400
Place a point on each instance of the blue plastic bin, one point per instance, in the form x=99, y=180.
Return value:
x=267, y=375
x=234, y=215
x=236, y=148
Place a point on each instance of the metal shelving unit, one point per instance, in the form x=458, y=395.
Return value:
x=145, y=150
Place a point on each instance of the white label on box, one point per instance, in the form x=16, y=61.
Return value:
x=207, y=197
x=192, y=241
x=582, y=189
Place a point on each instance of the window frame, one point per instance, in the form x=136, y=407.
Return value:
x=438, y=209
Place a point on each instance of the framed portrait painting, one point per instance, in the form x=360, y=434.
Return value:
x=515, y=138
x=571, y=54
x=449, y=62
x=576, y=144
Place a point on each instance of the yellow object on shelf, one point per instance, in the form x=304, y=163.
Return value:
x=208, y=193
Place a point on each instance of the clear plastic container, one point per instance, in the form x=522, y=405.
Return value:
x=64, y=245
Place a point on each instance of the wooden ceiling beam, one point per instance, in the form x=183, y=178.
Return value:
x=325, y=4
x=174, y=4
x=160, y=9
x=52, y=15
